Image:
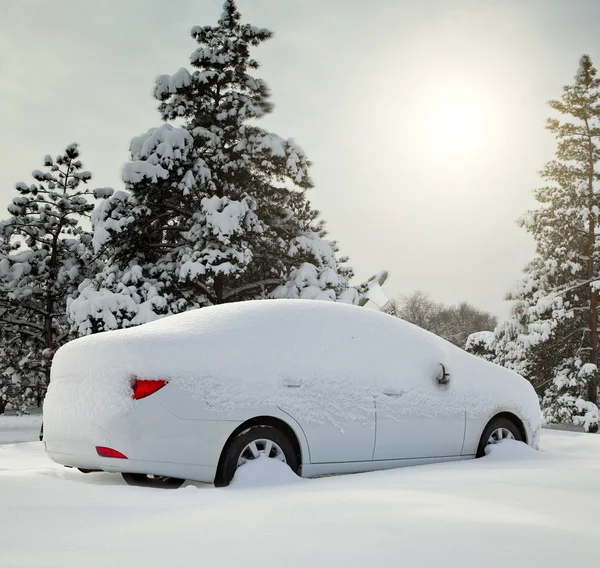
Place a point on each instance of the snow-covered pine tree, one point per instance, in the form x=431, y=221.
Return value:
x=21, y=373
x=552, y=337
x=44, y=255
x=481, y=343
x=215, y=209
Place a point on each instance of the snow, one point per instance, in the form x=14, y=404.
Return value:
x=515, y=507
x=19, y=428
x=225, y=217
x=84, y=378
x=482, y=339
x=375, y=292
x=156, y=152
x=272, y=142
x=171, y=83
x=267, y=343
x=108, y=217
x=319, y=281
x=590, y=416
x=264, y=472
x=103, y=192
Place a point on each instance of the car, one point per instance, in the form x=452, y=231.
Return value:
x=326, y=387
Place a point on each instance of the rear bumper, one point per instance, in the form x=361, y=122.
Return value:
x=192, y=472
x=153, y=439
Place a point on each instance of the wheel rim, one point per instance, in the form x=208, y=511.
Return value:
x=500, y=434
x=261, y=447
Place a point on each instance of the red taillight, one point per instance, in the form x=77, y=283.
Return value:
x=145, y=387
x=109, y=453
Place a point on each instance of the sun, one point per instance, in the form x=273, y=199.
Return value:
x=456, y=123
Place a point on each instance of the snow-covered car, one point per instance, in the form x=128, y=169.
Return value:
x=326, y=387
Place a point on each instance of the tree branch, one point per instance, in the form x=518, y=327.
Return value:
x=266, y=282
x=21, y=322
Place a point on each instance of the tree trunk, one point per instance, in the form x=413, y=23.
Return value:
x=593, y=313
x=49, y=334
x=53, y=275
x=593, y=316
x=593, y=383
x=219, y=285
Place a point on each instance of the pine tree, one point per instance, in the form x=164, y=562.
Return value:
x=552, y=338
x=44, y=255
x=481, y=343
x=215, y=209
x=21, y=373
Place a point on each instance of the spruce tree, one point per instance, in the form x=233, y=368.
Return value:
x=215, y=209
x=481, y=343
x=552, y=337
x=44, y=256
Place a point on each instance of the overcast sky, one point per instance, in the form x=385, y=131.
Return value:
x=424, y=119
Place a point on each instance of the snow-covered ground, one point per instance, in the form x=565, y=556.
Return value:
x=15, y=429
x=515, y=507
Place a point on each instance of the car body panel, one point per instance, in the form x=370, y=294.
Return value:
x=322, y=469
x=339, y=437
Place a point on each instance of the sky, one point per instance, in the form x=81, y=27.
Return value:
x=424, y=120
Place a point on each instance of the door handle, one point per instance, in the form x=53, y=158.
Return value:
x=393, y=393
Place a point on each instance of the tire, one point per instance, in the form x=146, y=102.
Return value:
x=159, y=481
x=237, y=446
x=495, y=425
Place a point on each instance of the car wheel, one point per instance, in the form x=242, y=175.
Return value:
x=497, y=430
x=159, y=481
x=251, y=444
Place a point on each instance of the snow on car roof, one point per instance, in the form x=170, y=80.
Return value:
x=242, y=355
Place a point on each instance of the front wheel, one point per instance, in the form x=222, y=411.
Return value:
x=497, y=430
x=159, y=481
x=252, y=443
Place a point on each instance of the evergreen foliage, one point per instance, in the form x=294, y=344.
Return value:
x=44, y=255
x=215, y=209
x=552, y=336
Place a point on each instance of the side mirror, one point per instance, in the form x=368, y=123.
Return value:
x=445, y=378
x=375, y=292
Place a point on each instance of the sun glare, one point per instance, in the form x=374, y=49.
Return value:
x=456, y=123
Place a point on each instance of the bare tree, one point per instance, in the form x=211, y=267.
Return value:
x=419, y=309
x=453, y=323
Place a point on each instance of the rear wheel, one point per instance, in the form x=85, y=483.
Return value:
x=160, y=481
x=497, y=430
x=253, y=443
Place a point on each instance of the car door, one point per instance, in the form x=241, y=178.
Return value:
x=339, y=424
x=420, y=412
